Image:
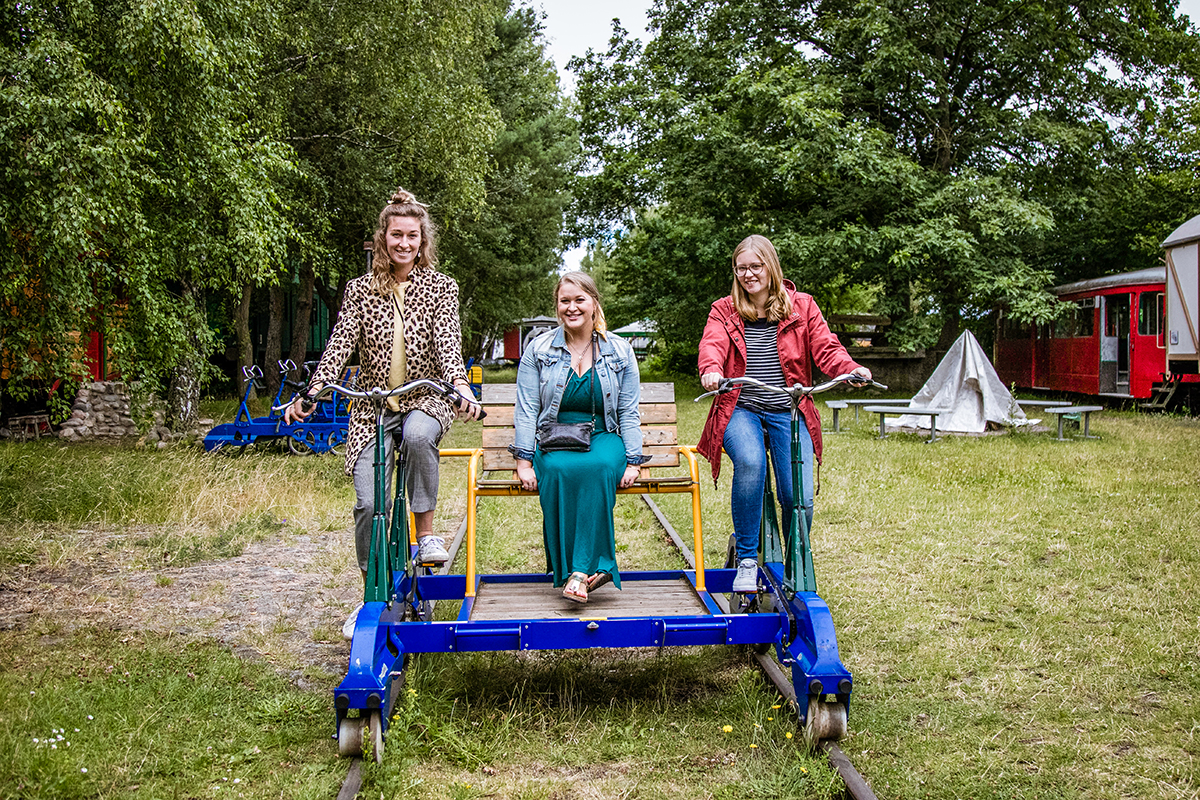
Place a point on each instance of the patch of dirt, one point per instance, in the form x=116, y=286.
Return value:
x=282, y=601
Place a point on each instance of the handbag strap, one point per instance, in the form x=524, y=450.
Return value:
x=592, y=379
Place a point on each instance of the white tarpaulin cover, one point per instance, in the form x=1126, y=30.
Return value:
x=967, y=386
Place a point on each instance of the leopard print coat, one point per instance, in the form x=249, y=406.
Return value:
x=432, y=342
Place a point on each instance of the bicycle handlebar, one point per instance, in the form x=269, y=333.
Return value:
x=377, y=395
x=794, y=392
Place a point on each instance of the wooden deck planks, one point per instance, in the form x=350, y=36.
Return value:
x=658, y=598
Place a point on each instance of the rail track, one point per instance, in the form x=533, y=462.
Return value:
x=856, y=787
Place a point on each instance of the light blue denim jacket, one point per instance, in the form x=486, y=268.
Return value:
x=542, y=378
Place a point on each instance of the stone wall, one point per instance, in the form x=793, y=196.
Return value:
x=102, y=411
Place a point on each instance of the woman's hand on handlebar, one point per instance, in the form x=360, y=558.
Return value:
x=302, y=407
x=711, y=381
x=526, y=475
x=863, y=374
x=465, y=404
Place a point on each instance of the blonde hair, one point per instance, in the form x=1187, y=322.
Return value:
x=402, y=204
x=588, y=285
x=779, y=302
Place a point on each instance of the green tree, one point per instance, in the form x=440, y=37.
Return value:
x=504, y=255
x=913, y=148
x=137, y=174
x=374, y=96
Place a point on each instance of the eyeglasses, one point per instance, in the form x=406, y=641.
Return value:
x=753, y=269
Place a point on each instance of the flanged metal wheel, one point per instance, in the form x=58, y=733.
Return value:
x=353, y=734
x=825, y=720
x=350, y=736
x=301, y=446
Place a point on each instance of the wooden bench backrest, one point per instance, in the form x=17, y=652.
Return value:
x=657, y=409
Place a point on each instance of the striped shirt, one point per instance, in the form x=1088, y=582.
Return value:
x=762, y=363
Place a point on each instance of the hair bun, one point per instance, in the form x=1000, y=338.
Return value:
x=401, y=195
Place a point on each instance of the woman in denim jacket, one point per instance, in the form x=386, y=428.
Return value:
x=571, y=374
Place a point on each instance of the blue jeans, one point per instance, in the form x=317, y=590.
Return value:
x=744, y=446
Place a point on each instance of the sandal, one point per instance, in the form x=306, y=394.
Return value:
x=598, y=580
x=576, y=588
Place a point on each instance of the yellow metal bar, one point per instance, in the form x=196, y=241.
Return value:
x=475, y=455
x=697, y=533
x=472, y=473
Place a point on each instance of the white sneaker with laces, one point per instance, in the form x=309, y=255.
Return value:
x=351, y=621
x=431, y=550
x=746, y=580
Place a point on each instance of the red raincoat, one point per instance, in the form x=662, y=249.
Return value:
x=804, y=340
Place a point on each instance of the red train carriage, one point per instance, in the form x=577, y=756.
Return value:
x=1128, y=336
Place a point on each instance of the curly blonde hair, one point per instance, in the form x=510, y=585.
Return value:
x=402, y=204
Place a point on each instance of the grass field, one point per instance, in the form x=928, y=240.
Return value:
x=1022, y=618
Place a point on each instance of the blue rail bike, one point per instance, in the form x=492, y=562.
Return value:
x=325, y=431
x=787, y=583
x=519, y=612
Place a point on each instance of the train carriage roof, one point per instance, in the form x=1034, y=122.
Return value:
x=1135, y=278
x=1187, y=232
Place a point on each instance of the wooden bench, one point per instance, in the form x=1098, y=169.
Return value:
x=859, y=402
x=29, y=427
x=1038, y=403
x=660, y=442
x=883, y=411
x=836, y=406
x=1065, y=411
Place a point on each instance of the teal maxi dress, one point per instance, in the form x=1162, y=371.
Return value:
x=578, y=490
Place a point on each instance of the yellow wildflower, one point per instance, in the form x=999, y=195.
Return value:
x=728, y=729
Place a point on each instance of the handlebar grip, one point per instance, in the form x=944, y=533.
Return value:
x=306, y=403
x=463, y=403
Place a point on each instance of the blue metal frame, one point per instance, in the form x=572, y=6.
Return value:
x=799, y=626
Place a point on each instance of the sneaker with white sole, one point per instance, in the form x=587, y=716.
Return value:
x=351, y=621
x=431, y=550
x=746, y=580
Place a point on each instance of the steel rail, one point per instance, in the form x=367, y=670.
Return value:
x=856, y=786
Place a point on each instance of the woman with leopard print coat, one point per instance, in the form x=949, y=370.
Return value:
x=405, y=295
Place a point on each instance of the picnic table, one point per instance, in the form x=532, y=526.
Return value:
x=1065, y=411
x=878, y=401
x=920, y=411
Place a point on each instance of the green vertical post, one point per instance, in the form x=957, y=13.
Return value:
x=799, y=567
x=378, y=584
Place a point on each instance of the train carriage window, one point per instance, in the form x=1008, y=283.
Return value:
x=1084, y=315
x=1150, y=314
x=1014, y=330
x=1064, y=326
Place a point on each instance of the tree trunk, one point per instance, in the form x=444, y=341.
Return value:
x=183, y=394
x=274, y=341
x=331, y=297
x=302, y=324
x=245, y=344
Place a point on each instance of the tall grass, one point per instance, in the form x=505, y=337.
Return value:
x=1022, y=619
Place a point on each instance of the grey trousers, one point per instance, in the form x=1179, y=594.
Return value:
x=418, y=450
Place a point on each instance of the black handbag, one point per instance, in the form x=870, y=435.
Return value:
x=576, y=436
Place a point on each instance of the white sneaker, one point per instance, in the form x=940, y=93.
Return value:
x=351, y=621
x=431, y=550
x=746, y=580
